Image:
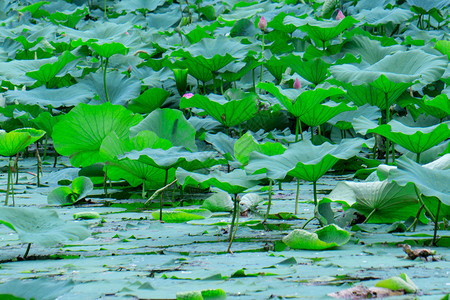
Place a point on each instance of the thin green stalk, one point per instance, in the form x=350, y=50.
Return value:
x=105, y=178
x=279, y=186
x=104, y=79
x=143, y=190
x=296, y=196
x=45, y=146
x=262, y=57
x=8, y=183
x=162, y=196
x=369, y=216
x=235, y=209
x=309, y=220
x=393, y=153
x=16, y=168
x=296, y=129
x=300, y=128
x=12, y=182
x=39, y=165
x=418, y=158
x=27, y=251
x=270, y=201
x=387, y=121
x=254, y=80
x=416, y=219
x=315, y=192
x=234, y=232
x=424, y=206
x=436, y=223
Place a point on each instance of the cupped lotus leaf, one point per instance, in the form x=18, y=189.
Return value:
x=320, y=113
x=329, y=236
x=213, y=54
x=402, y=66
x=229, y=113
x=80, y=133
x=304, y=160
x=220, y=201
x=321, y=31
x=387, y=202
x=443, y=47
x=191, y=295
x=197, y=71
x=379, y=16
x=391, y=88
x=365, y=94
x=109, y=49
x=234, y=182
x=41, y=226
x=59, y=68
x=44, y=288
x=42, y=96
x=133, y=171
x=415, y=139
x=174, y=157
x=64, y=195
x=314, y=70
x=148, y=101
x=430, y=182
x=343, y=121
x=246, y=144
x=402, y=282
x=438, y=106
x=17, y=140
x=169, y=124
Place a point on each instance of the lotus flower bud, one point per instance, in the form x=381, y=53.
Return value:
x=188, y=95
x=262, y=24
x=297, y=84
x=340, y=16
x=129, y=69
x=127, y=33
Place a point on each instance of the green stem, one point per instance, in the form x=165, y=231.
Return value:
x=8, y=183
x=235, y=208
x=27, y=251
x=279, y=186
x=296, y=129
x=300, y=128
x=270, y=201
x=315, y=192
x=369, y=216
x=262, y=57
x=296, y=196
x=254, y=80
x=414, y=223
x=424, y=206
x=387, y=121
x=39, y=165
x=143, y=190
x=104, y=79
x=393, y=153
x=161, y=197
x=235, y=228
x=418, y=158
x=306, y=223
x=436, y=223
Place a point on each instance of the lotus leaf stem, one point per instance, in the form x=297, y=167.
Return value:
x=105, y=178
x=262, y=57
x=296, y=196
x=414, y=223
x=387, y=121
x=279, y=186
x=418, y=158
x=436, y=223
x=104, y=79
x=419, y=196
x=393, y=153
x=16, y=167
x=234, y=222
x=296, y=129
x=162, y=195
x=27, y=251
x=39, y=165
x=156, y=193
x=270, y=201
x=306, y=223
x=8, y=183
x=369, y=216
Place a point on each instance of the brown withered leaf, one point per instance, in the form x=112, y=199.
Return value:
x=362, y=292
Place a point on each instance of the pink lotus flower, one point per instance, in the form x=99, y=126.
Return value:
x=188, y=95
x=297, y=84
x=127, y=33
x=340, y=16
x=129, y=69
x=262, y=24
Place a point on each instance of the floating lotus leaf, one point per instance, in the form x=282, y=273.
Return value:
x=329, y=236
x=17, y=140
x=401, y=282
x=443, y=47
x=220, y=201
x=64, y=195
x=80, y=133
x=180, y=215
x=40, y=288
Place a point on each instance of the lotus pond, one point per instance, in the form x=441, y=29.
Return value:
x=160, y=149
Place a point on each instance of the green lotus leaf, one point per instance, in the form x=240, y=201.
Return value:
x=213, y=54
x=314, y=70
x=443, y=47
x=58, y=68
x=229, y=113
x=438, y=106
x=320, y=113
x=68, y=18
x=169, y=124
x=234, y=182
x=246, y=144
x=15, y=71
x=64, y=195
x=40, y=288
x=329, y=236
x=403, y=66
x=17, y=140
x=401, y=282
x=196, y=70
x=379, y=16
x=220, y=201
x=80, y=133
x=148, y=101
x=28, y=44
x=174, y=157
x=343, y=121
x=415, y=139
x=321, y=31
x=41, y=226
x=109, y=49
x=133, y=171
x=427, y=5
x=176, y=216
x=46, y=121
x=223, y=143
x=304, y=160
x=385, y=202
x=430, y=182
x=192, y=295
x=42, y=96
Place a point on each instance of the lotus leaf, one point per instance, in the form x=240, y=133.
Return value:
x=109, y=49
x=438, y=106
x=314, y=70
x=343, y=120
x=64, y=195
x=223, y=143
x=247, y=144
x=44, y=288
x=320, y=113
x=220, y=201
x=379, y=16
x=176, y=216
x=81, y=132
x=17, y=140
x=401, y=282
x=59, y=68
x=46, y=121
x=41, y=226
x=169, y=124
x=326, y=237
x=148, y=101
x=443, y=47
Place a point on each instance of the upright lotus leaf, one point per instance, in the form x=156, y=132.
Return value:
x=109, y=49
x=48, y=71
x=133, y=171
x=402, y=66
x=17, y=140
x=443, y=47
x=64, y=195
x=415, y=139
x=321, y=31
x=320, y=113
x=379, y=201
x=213, y=54
x=196, y=70
x=41, y=226
x=391, y=89
x=148, y=101
x=169, y=124
x=314, y=70
x=324, y=238
x=438, y=106
x=46, y=121
x=430, y=182
x=80, y=133
x=234, y=182
x=230, y=113
x=246, y=144
x=174, y=157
